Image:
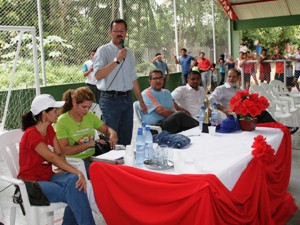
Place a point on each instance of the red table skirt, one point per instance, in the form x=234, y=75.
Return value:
x=127, y=195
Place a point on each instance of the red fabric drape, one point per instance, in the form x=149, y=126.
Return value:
x=127, y=195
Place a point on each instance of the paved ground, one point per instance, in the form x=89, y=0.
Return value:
x=294, y=188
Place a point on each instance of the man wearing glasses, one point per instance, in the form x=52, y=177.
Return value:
x=162, y=110
x=114, y=68
x=192, y=95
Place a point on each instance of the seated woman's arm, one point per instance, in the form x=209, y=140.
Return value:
x=51, y=157
x=74, y=149
x=109, y=132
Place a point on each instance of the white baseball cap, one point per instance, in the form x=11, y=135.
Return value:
x=43, y=102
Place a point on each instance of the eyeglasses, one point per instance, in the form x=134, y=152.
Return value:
x=157, y=78
x=119, y=31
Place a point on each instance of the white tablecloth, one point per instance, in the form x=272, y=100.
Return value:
x=224, y=155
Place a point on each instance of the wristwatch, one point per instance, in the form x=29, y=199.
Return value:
x=116, y=61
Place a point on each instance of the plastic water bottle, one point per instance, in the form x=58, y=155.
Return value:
x=148, y=143
x=214, y=115
x=201, y=117
x=140, y=147
x=144, y=129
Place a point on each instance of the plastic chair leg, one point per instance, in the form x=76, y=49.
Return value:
x=12, y=216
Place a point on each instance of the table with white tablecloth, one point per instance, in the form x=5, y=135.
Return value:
x=220, y=182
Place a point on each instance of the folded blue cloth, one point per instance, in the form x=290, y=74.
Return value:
x=171, y=140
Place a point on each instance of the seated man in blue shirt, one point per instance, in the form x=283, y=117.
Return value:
x=162, y=110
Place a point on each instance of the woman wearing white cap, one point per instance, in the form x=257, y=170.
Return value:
x=75, y=128
x=39, y=149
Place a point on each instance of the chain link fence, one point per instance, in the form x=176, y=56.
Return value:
x=72, y=28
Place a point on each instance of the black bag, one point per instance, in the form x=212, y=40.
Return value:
x=35, y=195
x=102, y=148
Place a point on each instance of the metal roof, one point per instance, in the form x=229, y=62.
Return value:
x=255, y=9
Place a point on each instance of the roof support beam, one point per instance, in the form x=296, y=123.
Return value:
x=228, y=10
x=266, y=22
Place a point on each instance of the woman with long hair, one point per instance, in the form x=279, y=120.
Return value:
x=39, y=149
x=76, y=126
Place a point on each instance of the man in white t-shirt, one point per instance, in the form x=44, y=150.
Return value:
x=192, y=95
x=296, y=57
x=89, y=74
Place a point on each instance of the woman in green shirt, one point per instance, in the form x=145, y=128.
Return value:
x=75, y=127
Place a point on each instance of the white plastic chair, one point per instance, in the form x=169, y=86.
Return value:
x=9, y=148
x=283, y=91
x=137, y=111
x=274, y=93
x=279, y=110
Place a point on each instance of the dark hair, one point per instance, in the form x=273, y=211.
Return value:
x=184, y=49
x=222, y=56
x=28, y=119
x=157, y=54
x=118, y=21
x=80, y=95
x=236, y=71
x=213, y=65
x=193, y=73
x=94, y=50
x=264, y=49
x=202, y=53
x=154, y=71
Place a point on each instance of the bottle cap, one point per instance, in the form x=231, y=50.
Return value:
x=143, y=124
x=147, y=128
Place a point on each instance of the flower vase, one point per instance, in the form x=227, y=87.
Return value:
x=248, y=125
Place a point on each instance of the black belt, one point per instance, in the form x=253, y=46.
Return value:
x=119, y=93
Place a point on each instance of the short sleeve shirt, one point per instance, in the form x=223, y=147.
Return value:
x=153, y=99
x=32, y=165
x=189, y=98
x=297, y=64
x=78, y=133
x=185, y=63
x=122, y=76
x=90, y=79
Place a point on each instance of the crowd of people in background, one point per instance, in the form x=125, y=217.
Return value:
x=254, y=67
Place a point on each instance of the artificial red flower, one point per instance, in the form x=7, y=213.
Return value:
x=262, y=150
x=248, y=105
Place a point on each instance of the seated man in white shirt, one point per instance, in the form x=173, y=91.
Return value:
x=222, y=94
x=225, y=92
x=162, y=110
x=192, y=95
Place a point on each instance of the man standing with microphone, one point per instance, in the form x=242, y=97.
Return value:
x=114, y=68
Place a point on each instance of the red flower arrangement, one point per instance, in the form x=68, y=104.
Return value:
x=247, y=105
x=263, y=151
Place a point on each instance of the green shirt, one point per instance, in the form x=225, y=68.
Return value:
x=78, y=132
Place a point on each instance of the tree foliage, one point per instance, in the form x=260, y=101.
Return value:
x=269, y=37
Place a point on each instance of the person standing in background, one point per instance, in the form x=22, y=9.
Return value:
x=222, y=68
x=264, y=67
x=161, y=65
x=88, y=73
x=185, y=61
x=204, y=66
x=114, y=67
x=279, y=71
x=296, y=57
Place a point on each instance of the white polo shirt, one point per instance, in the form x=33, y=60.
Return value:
x=189, y=98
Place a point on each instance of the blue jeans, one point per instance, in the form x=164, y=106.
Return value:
x=117, y=112
x=62, y=188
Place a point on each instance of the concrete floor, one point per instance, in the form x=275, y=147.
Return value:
x=294, y=188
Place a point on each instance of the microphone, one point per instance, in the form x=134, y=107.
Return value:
x=122, y=43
